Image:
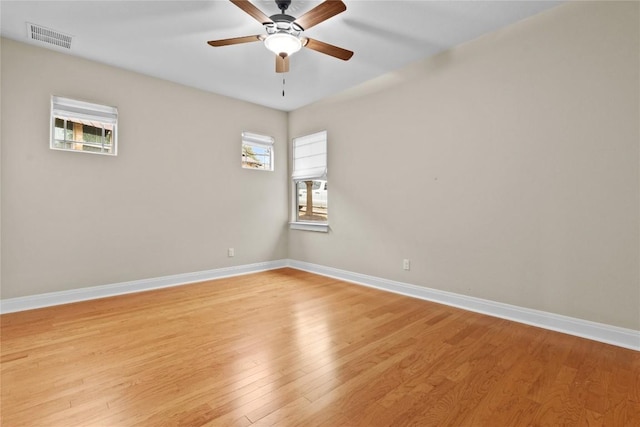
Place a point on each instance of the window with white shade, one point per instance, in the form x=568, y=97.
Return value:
x=83, y=126
x=257, y=151
x=310, y=182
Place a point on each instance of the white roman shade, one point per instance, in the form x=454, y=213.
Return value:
x=256, y=139
x=310, y=157
x=85, y=112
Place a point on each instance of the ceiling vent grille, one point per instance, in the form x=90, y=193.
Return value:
x=49, y=36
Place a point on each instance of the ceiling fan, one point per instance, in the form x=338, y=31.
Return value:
x=284, y=32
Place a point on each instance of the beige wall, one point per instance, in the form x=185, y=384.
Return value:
x=172, y=201
x=505, y=169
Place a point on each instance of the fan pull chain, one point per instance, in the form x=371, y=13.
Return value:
x=283, y=86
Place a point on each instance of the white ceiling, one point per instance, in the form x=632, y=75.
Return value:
x=167, y=39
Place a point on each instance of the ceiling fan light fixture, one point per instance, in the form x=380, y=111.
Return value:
x=283, y=43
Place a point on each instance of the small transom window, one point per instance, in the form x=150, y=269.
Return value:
x=257, y=151
x=83, y=126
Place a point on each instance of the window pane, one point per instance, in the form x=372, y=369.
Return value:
x=83, y=135
x=314, y=194
x=63, y=136
x=256, y=157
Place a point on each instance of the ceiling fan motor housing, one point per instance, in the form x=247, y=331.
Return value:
x=283, y=23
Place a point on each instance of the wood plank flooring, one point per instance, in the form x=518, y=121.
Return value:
x=289, y=348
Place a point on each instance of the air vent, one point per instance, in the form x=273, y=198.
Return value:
x=49, y=36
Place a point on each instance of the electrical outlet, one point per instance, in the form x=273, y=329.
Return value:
x=231, y=252
x=406, y=264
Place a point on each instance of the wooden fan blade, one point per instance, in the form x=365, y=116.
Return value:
x=235, y=40
x=329, y=49
x=320, y=13
x=250, y=9
x=282, y=64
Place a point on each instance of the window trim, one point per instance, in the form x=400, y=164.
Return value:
x=322, y=227
x=67, y=108
x=257, y=140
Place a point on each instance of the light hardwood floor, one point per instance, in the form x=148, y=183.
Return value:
x=290, y=348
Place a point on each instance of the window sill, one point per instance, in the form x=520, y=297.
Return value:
x=308, y=226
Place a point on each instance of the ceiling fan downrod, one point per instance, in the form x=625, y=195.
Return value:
x=283, y=5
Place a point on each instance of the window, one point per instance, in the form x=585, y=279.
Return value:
x=83, y=126
x=310, y=182
x=257, y=151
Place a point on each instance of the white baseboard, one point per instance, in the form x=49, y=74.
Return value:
x=627, y=338
x=75, y=295
x=621, y=337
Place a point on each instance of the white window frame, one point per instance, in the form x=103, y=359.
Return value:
x=309, y=160
x=87, y=113
x=259, y=141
